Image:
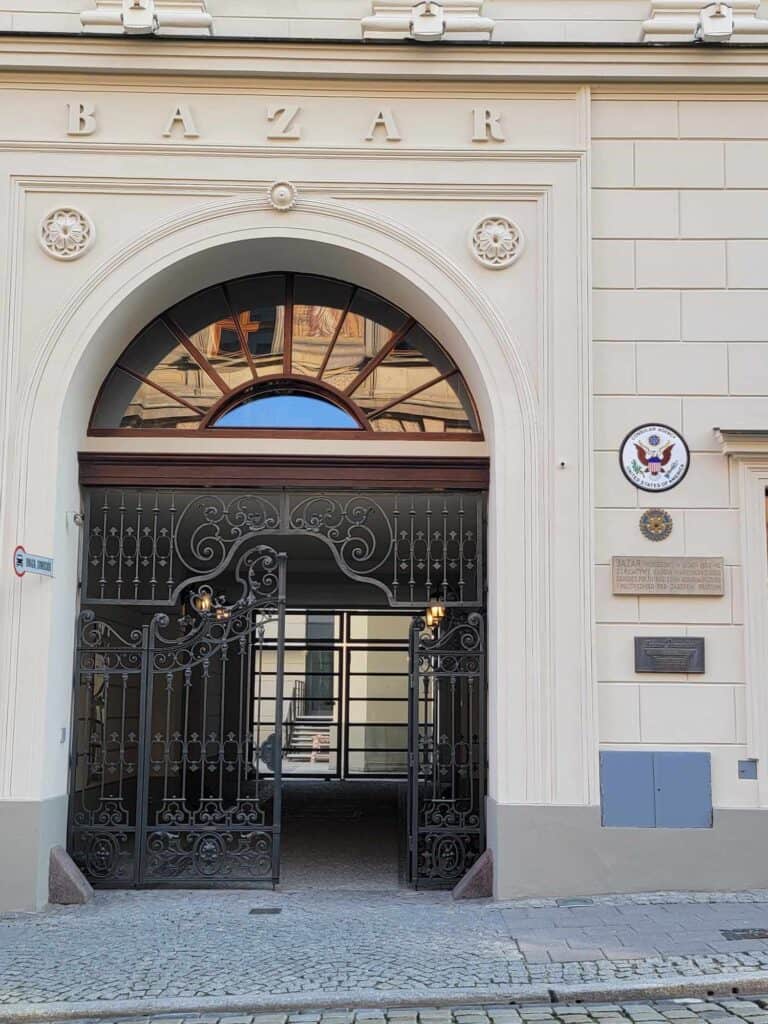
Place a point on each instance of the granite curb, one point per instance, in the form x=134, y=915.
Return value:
x=702, y=986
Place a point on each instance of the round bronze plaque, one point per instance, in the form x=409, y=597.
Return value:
x=656, y=524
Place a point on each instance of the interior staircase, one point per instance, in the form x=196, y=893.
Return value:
x=309, y=740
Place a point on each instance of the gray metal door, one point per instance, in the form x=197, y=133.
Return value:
x=447, y=748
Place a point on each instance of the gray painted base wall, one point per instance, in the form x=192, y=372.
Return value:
x=29, y=830
x=539, y=850
x=544, y=850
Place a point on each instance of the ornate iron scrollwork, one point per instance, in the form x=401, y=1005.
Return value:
x=177, y=737
x=146, y=547
x=447, y=774
x=178, y=720
x=223, y=856
x=109, y=671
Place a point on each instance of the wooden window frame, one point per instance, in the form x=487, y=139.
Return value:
x=266, y=472
x=309, y=384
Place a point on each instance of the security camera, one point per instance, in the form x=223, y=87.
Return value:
x=715, y=23
x=138, y=17
x=427, y=21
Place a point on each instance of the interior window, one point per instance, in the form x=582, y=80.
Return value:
x=291, y=412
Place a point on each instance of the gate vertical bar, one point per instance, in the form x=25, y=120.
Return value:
x=413, y=751
x=277, y=799
x=73, y=737
x=145, y=746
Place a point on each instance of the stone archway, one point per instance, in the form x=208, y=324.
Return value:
x=212, y=243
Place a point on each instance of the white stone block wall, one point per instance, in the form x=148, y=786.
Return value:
x=680, y=318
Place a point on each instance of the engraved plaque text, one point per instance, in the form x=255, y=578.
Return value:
x=680, y=577
x=669, y=654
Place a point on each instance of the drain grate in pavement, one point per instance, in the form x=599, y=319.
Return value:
x=583, y=901
x=738, y=934
x=265, y=910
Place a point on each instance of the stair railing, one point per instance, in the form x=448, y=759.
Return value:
x=298, y=696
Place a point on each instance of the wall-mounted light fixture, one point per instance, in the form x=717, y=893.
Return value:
x=715, y=23
x=427, y=20
x=148, y=17
x=435, y=614
x=202, y=601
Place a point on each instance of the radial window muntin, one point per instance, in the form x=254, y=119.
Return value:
x=277, y=333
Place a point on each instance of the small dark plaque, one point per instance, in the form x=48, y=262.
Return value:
x=669, y=654
x=740, y=934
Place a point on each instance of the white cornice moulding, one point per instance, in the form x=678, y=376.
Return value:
x=179, y=15
x=393, y=19
x=742, y=443
x=675, y=21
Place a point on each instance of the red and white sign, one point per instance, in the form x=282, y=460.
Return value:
x=38, y=565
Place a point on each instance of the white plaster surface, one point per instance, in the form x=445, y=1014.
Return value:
x=652, y=192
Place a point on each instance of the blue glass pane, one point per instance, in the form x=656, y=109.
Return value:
x=292, y=411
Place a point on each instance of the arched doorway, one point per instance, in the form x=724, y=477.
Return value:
x=195, y=569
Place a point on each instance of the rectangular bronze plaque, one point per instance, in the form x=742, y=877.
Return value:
x=680, y=577
x=669, y=654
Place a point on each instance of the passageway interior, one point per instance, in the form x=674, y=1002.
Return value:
x=342, y=834
x=345, y=749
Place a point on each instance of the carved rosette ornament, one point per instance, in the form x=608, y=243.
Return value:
x=496, y=242
x=66, y=233
x=282, y=195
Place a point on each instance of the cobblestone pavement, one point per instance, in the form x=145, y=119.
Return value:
x=154, y=950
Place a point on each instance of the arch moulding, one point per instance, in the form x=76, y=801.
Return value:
x=200, y=247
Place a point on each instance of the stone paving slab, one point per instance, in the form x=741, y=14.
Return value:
x=668, y=1011
x=169, y=951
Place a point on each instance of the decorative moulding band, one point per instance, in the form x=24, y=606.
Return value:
x=115, y=54
x=256, y=471
x=677, y=20
x=743, y=442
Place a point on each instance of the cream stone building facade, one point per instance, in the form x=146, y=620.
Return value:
x=567, y=198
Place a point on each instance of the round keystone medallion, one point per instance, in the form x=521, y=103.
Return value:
x=282, y=195
x=656, y=524
x=654, y=457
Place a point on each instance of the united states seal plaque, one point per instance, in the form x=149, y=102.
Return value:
x=654, y=457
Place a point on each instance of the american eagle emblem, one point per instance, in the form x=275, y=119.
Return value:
x=654, y=456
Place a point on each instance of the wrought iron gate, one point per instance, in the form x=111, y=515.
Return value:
x=447, y=752
x=177, y=737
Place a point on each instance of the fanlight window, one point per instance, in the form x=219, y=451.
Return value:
x=285, y=352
